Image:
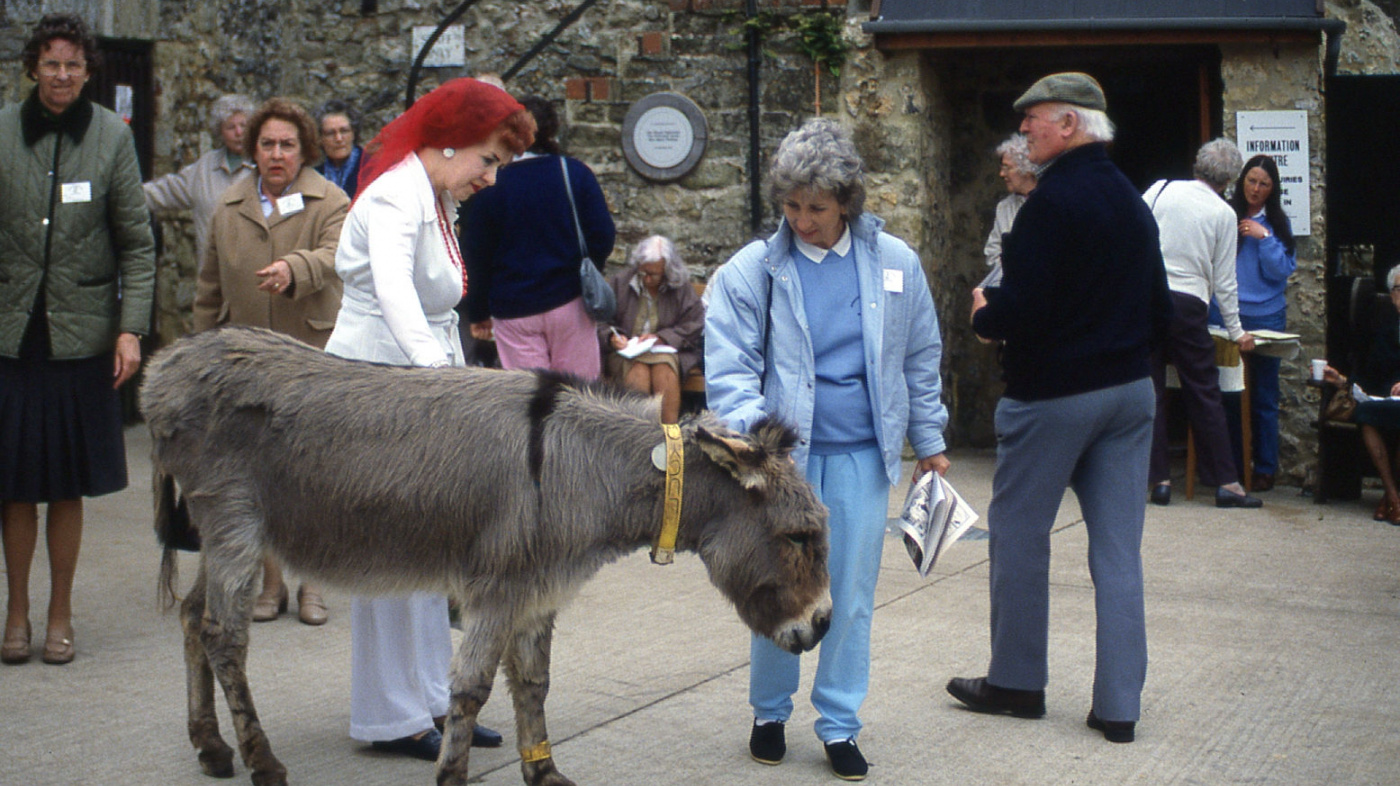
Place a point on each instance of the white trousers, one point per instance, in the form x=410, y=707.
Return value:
x=400, y=654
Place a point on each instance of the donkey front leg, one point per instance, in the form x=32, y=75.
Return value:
x=215, y=756
x=473, y=672
x=527, y=671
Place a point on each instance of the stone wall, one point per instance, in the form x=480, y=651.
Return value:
x=932, y=176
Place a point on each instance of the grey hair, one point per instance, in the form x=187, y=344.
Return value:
x=1093, y=122
x=819, y=155
x=660, y=247
x=226, y=106
x=1217, y=163
x=1392, y=276
x=1016, y=147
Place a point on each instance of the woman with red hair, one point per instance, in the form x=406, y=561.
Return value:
x=403, y=273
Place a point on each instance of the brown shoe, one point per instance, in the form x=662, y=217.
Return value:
x=58, y=646
x=311, y=608
x=1262, y=481
x=15, y=649
x=270, y=605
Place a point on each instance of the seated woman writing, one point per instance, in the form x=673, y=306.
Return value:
x=1380, y=376
x=655, y=302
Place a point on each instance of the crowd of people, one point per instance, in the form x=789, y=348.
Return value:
x=372, y=251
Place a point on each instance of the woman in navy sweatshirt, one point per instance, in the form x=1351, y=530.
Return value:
x=522, y=255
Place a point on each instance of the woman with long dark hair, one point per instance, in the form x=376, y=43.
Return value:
x=1263, y=264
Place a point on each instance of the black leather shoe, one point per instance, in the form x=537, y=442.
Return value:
x=426, y=747
x=981, y=696
x=1162, y=494
x=1224, y=498
x=767, y=742
x=482, y=737
x=1113, y=731
x=846, y=760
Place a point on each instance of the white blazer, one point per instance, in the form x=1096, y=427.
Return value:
x=401, y=281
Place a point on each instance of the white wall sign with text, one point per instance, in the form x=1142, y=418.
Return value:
x=1283, y=136
x=449, y=50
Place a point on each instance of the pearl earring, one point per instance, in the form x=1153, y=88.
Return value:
x=449, y=152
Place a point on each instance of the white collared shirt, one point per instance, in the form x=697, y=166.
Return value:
x=817, y=253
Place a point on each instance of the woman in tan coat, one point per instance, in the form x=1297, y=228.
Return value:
x=271, y=263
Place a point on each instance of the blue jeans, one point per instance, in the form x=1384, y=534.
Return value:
x=1263, y=399
x=856, y=491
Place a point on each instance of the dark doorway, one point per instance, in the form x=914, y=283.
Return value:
x=126, y=84
x=128, y=73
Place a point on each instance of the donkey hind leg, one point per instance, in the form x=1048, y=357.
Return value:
x=527, y=672
x=215, y=756
x=473, y=672
x=231, y=558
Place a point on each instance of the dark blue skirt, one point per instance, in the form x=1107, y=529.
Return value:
x=1381, y=413
x=60, y=429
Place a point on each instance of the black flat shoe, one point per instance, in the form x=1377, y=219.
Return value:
x=1113, y=731
x=767, y=742
x=482, y=737
x=982, y=696
x=1161, y=494
x=846, y=760
x=425, y=747
x=1224, y=498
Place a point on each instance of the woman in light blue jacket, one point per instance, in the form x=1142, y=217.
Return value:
x=830, y=326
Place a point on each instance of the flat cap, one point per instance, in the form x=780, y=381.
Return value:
x=1069, y=87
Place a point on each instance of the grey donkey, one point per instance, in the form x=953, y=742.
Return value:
x=503, y=489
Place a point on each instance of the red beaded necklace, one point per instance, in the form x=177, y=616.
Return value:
x=454, y=251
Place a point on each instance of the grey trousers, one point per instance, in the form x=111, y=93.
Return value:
x=1097, y=444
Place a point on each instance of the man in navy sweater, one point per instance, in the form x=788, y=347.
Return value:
x=1083, y=300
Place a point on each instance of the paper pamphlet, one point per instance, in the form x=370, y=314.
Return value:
x=1362, y=397
x=934, y=517
x=636, y=346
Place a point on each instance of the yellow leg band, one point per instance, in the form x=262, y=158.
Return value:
x=535, y=753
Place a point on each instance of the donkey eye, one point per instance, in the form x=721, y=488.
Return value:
x=799, y=541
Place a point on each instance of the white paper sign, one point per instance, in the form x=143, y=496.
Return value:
x=1283, y=136
x=449, y=50
x=290, y=204
x=122, y=100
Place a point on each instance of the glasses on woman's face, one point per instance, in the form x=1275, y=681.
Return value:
x=55, y=67
x=1395, y=290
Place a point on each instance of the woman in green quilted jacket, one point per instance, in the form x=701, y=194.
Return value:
x=77, y=268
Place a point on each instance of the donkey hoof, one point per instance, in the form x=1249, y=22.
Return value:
x=276, y=777
x=217, y=763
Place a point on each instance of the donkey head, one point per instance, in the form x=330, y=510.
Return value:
x=765, y=544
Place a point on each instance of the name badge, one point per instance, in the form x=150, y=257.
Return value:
x=290, y=204
x=894, y=280
x=76, y=192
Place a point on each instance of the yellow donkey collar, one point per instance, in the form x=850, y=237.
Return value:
x=664, y=550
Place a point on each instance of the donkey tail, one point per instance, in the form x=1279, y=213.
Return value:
x=174, y=530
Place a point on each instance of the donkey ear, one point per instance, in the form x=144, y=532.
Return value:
x=737, y=456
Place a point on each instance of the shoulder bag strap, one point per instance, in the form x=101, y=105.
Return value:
x=569, y=189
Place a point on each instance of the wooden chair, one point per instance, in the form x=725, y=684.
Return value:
x=1341, y=457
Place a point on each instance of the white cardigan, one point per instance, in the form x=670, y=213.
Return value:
x=400, y=280
x=1198, y=232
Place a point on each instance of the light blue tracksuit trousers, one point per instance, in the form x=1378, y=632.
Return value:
x=856, y=491
x=1096, y=443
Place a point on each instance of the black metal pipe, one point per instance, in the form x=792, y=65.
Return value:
x=428, y=47
x=755, y=194
x=548, y=38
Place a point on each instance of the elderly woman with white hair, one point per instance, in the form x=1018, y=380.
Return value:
x=1020, y=177
x=1197, y=231
x=829, y=325
x=656, y=308
x=1379, y=418
x=198, y=186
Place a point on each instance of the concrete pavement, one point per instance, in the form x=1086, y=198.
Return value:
x=1274, y=636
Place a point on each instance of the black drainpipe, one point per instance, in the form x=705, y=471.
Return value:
x=755, y=197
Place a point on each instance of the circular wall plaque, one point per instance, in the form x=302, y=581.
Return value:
x=664, y=136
